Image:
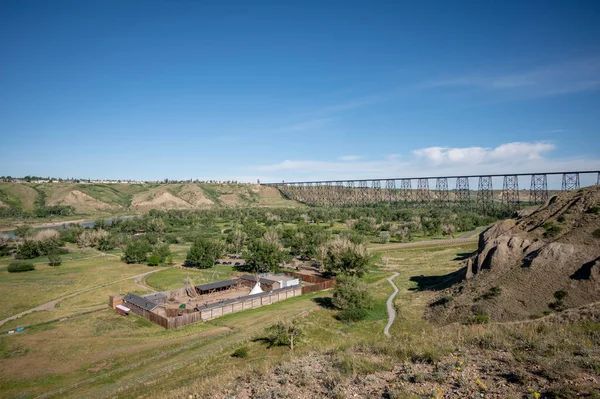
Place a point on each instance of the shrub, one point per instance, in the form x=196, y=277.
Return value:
x=352, y=314
x=492, y=293
x=351, y=296
x=561, y=219
x=28, y=250
x=594, y=209
x=153, y=260
x=596, y=233
x=559, y=304
x=442, y=301
x=479, y=319
x=54, y=259
x=283, y=334
x=551, y=230
x=384, y=237
x=560, y=295
x=242, y=352
x=18, y=267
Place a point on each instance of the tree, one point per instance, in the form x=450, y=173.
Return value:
x=204, y=253
x=106, y=243
x=404, y=234
x=92, y=238
x=272, y=236
x=236, y=239
x=162, y=251
x=252, y=229
x=101, y=224
x=352, y=298
x=284, y=333
x=4, y=245
x=448, y=230
x=54, y=259
x=23, y=232
x=153, y=260
x=341, y=255
x=263, y=256
x=384, y=237
x=136, y=251
x=28, y=250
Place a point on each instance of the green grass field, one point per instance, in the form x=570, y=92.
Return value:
x=22, y=291
x=82, y=341
x=173, y=278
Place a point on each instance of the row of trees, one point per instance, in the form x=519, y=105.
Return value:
x=45, y=211
x=338, y=255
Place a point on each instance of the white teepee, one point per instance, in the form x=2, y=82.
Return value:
x=256, y=289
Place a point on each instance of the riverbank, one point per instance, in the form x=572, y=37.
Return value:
x=10, y=226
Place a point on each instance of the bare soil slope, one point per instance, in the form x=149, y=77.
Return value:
x=83, y=203
x=101, y=198
x=520, y=264
x=158, y=198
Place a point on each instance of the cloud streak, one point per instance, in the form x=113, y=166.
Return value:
x=350, y=157
x=569, y=77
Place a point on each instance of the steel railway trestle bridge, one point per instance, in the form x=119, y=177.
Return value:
x=417, y=191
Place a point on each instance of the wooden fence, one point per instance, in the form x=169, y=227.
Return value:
x=250, y=302
x=218, y=309
x=318, y=283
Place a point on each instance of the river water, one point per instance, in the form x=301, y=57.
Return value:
x=10, y=233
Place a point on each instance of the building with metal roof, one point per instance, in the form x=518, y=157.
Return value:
x=158, y=298
x=216, y=286
x=140, y=302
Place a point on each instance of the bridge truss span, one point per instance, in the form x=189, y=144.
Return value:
x=443, y=191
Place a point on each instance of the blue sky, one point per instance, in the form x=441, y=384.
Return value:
x=311, y=90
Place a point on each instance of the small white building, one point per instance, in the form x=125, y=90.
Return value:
x=285, y=280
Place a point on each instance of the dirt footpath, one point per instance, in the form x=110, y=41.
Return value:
x=52, y=304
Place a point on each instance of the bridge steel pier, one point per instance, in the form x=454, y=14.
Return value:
x=485, y=195
x=510, y=193
x=406, y=190
x=441, y=188
x=377, y=194
x=390, y=187
x=423, y=191
x=463, y=193
x=570, y=181
x=539, y=189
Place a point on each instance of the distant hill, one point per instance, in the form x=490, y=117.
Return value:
x=138, y=198
x=547, y=260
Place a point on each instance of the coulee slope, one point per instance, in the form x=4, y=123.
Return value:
x=520, y=264
x=136, y=198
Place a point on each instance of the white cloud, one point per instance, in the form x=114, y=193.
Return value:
x=478, y=155
x=350, y=157
x=518, y=157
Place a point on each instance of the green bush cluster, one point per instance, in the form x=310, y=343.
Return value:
x=559, y=303
x=352, y=297
x=241, y=352
x=551, y=230
x=18, y=267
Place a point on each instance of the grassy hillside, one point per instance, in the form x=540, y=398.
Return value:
x=103, y=199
